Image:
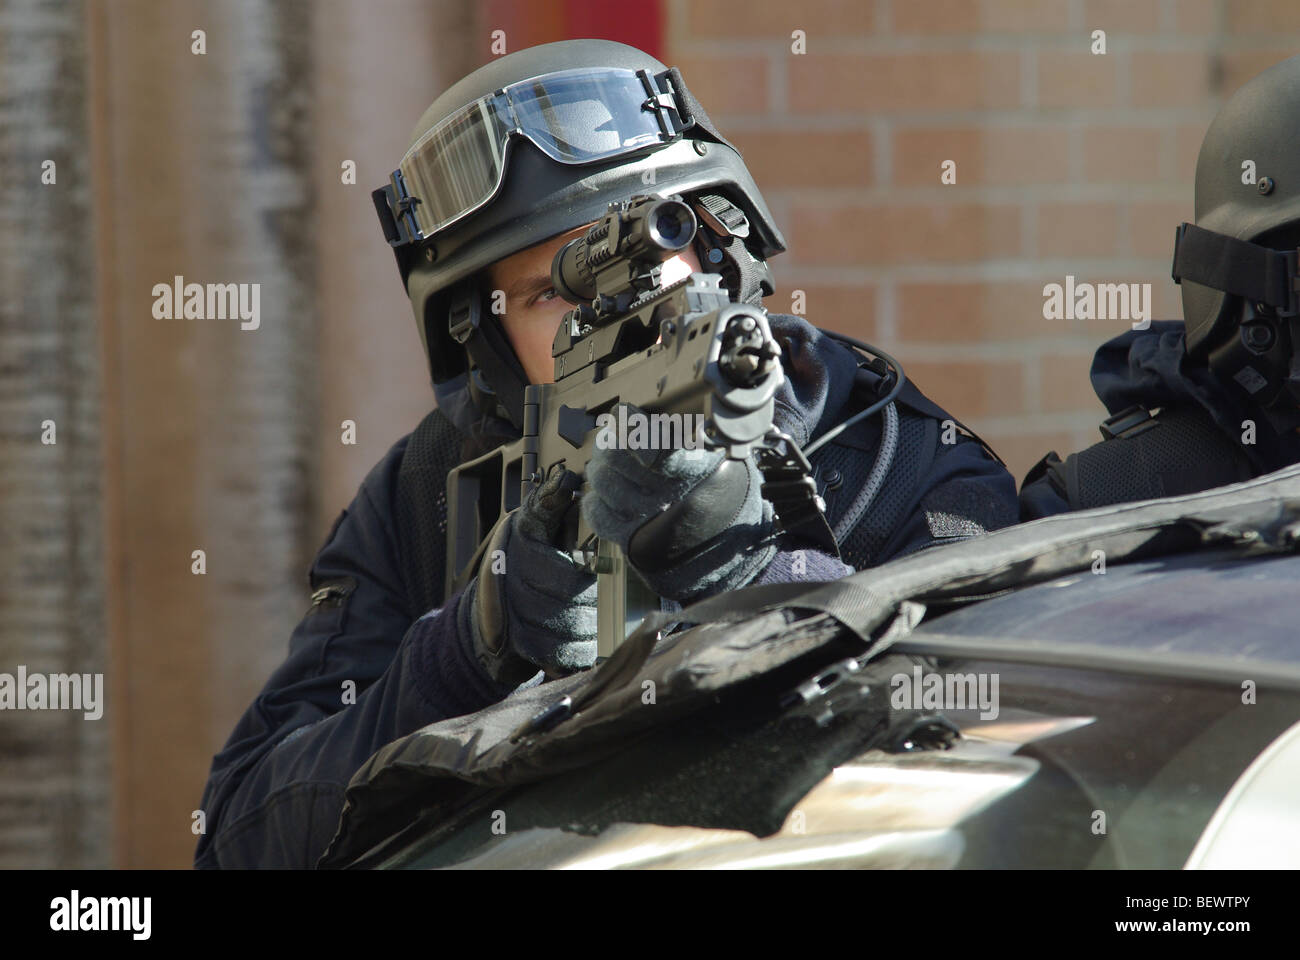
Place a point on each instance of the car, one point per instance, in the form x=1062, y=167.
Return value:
x=1113, y=688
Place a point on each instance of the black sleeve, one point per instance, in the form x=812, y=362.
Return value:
x=358, y=675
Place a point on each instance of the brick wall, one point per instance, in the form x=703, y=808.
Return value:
x=1067, y=162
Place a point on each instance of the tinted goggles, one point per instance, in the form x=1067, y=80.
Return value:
x=573, y=116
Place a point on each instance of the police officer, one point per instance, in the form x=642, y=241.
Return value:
x=503, y=167
x=1215, y=399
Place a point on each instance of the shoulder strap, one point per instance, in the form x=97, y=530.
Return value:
x=870, y=380
x=911, y=396
x=1147, y=456
x=844, y=459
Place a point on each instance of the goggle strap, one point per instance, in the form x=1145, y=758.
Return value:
x=380, y=197
x=396, y=209
x=666, y=104
x=1238, y=267
x=693, y=114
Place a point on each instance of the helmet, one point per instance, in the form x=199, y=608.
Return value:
x=1238, y=264
x=531, y=146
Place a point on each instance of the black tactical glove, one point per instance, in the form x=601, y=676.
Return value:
x=691, y=522
x=531, y=605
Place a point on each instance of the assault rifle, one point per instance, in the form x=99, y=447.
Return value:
x=680, y=352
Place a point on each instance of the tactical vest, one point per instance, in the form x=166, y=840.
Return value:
x=1145, y=456
x=840, y=469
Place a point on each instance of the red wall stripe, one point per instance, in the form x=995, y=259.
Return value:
x=639, y=24
x=530, y=22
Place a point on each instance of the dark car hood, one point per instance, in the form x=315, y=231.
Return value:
x=445, y=762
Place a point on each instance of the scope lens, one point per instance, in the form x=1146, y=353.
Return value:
x=674, y=224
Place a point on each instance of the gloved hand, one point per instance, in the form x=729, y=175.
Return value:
x=691, y=522
x=531, y=605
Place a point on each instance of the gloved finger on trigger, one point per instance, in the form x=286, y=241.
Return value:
x=559, y=490
x=542, y=516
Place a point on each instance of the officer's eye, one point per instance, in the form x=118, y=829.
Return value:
x=547, y=295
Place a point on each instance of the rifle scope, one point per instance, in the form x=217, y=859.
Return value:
x=638, y=234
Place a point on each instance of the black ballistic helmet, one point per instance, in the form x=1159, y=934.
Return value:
x=1238, y=264
x=533, y=145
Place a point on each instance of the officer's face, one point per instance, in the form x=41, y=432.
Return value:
x=534, y=309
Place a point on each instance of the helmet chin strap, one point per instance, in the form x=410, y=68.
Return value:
x=1259, y=357
x=720, y=245
x=496, y=378
x=1284, y=413
x=1258, y=351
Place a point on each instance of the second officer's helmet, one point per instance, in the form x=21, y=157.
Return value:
x=1238, y=263
x=532, y=145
